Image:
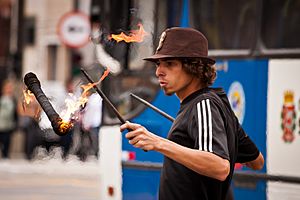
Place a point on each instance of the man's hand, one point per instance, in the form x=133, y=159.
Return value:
x=256, y=164
x=140, y=137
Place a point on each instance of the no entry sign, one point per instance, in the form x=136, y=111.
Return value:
x=74, y=29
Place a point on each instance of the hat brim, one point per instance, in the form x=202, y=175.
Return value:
x=156, y=57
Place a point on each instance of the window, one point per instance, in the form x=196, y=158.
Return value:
x=52, y=61
x=29, y=31
x=228, y=25
x=281, y=24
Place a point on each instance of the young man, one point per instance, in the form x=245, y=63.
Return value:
x=206, y=139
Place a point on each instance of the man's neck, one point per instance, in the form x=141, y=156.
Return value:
x=192, y=87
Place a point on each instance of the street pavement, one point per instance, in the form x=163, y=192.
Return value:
x=50, y=178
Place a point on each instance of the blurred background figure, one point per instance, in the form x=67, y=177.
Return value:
x=29, y=115
x=90, y=126
x=8, y=116
x=66, y=141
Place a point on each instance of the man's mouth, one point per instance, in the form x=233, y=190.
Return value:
x=162, y=83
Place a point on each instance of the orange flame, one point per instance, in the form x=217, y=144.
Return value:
x=73, y=104
x=64, y=126
x=134, y=35
x=28, y=96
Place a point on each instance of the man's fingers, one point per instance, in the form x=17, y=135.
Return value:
x=133, y=133
x=133, y=126
x=137, y=142
x=123, y=127
x=136, y=134
x=129, y=125
x=133, y=141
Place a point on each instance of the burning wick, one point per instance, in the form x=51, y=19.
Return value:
x=59, y=126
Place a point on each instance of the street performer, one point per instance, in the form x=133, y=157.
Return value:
x=206, y=139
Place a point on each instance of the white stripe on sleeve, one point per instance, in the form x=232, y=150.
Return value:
x=199, y=125
x=204, y=125
x=209, y=125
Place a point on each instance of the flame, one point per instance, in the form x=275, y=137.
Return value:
x=73, y=104
x=64, y=126
x=28, y=96
x=134, y=35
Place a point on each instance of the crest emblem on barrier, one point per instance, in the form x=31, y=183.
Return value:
x=288, y=117
x=236, y=96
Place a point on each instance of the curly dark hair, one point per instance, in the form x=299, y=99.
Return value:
x=206, y=72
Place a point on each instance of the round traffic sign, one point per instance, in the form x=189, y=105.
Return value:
x=74, y=29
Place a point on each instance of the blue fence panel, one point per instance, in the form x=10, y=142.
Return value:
x=143, y=184
x=140, y=184
x=245, y=82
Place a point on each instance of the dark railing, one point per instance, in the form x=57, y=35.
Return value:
x=238, y=175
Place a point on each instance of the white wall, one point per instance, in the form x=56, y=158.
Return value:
x=110, y=162
x=282, y=157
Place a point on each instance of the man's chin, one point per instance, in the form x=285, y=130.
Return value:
x=168, y=93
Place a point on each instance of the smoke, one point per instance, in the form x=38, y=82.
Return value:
x=98, y=37
x=106, y=60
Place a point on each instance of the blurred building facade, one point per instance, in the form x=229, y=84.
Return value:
x=5, y=35
x=29, y=39
x=44, y=53
x=30, y=43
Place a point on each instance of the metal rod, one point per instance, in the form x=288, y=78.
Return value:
x=268, y=177
x=153, y=107
x=241, y=175
x=104, y=97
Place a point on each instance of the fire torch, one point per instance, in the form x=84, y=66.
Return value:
x=59, y=126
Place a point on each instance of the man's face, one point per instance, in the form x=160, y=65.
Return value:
x=8, y=89
x=172, y=78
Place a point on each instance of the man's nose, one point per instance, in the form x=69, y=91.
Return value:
x=159, y=70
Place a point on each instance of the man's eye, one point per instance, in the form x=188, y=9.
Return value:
x=157, y=63
x=169, y=63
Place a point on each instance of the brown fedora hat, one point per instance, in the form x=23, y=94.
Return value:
x=180, y=42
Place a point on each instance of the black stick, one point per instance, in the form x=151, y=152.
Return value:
x=153, y=107
x=34, y=85
x=104, y=97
